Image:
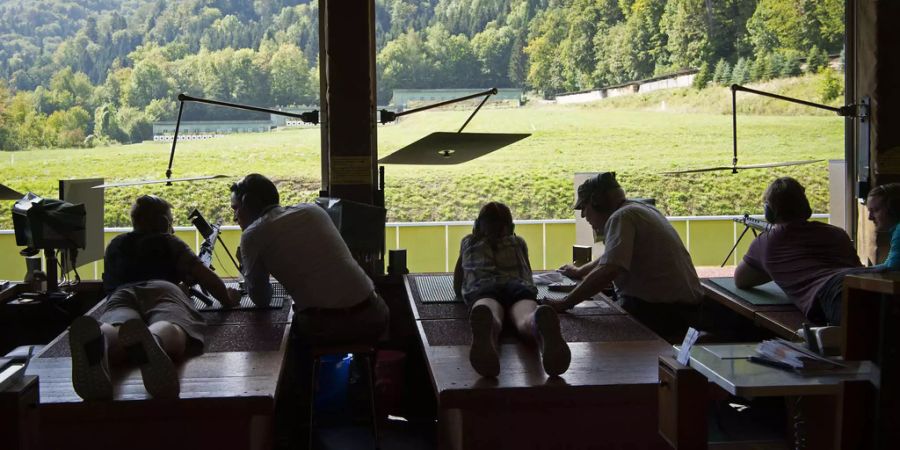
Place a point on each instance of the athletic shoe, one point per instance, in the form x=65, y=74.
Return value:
x=157, y=370
x=483, y=354
x=90, y=364
x=555, y=353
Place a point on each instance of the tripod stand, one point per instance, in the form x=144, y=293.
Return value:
x=749, y=224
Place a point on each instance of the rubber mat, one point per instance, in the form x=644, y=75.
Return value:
x=765, y=294
x=434, y=289
x=279, y=294
x=603, y=328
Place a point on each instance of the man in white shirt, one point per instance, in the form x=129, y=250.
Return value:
x=300, y=246
x=335, y=301
x=644, y=259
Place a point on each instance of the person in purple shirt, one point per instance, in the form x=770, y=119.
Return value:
x=807, y=259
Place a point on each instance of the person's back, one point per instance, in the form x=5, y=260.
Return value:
x=493, y=262
x=301, y=247
x=658, y=268
x=801, y=256
x=141, y=256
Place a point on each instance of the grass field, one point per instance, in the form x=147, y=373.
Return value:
x=634, y=137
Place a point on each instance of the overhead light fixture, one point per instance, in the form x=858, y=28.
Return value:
x=308, y=117
x=860, y=111
x=447, y=148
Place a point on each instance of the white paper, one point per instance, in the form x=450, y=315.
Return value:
x=684, y=355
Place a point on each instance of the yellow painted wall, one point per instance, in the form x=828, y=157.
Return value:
x=435, y=248
x=709, y=241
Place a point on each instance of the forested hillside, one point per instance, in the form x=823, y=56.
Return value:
x=79, y=72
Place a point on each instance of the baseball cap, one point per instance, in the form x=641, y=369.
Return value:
x=596, y=184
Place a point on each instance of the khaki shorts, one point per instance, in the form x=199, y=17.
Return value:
x=365, y=323
x=155, y=301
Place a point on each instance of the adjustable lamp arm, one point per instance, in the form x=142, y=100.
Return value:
x=860, y=110
x=847, y=110
x=390, y=116
x=308, y=117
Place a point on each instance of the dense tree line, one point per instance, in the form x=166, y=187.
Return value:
x=77, y=72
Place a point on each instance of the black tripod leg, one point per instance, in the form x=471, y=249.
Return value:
x=746, y=227
x=236, y=266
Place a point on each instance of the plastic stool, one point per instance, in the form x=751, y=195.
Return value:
x=367, y=352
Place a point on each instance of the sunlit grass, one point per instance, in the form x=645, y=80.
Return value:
x=533, y=175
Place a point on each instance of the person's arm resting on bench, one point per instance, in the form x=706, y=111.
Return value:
x=747, y=276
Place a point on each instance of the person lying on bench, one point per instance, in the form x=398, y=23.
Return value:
x=147, y=317
x=808, y=260
x=883, y=204
x=493, y=276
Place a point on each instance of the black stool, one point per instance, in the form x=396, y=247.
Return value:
x=367, y=352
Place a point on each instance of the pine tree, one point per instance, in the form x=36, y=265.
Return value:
x=703, y=77
x=722, y=73
x=740, y=74
x=816, y=59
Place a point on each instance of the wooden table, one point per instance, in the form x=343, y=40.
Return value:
x=782, y=320
x=607, y=398
x=227, y=397
x=826, y=400
x=743, y=378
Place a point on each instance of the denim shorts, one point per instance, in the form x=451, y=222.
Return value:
x=506, y=294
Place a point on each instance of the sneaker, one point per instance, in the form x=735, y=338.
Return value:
x=90, y=363
x=555, y=353
x=157, y=370
x=483, y=354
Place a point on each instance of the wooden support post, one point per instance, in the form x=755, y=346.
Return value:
x=347, y=73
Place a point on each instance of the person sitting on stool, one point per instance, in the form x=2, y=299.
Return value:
x=644, y=259
x=334, y=299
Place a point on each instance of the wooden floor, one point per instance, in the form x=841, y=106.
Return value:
x=226, y=402
x=607, y=398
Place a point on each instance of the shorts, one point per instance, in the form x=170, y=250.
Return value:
x=156, y=301
x=364, y=323
x=506, y=294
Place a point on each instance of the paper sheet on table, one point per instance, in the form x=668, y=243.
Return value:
x=549, y=277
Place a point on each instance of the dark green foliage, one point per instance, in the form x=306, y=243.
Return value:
x=831, y=86
x=816, y=59
x=790, y=64
x=740, y=74
x=139, y=54
x=722, y=74
x=703, y=77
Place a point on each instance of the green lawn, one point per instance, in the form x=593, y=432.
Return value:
x=534, y=175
